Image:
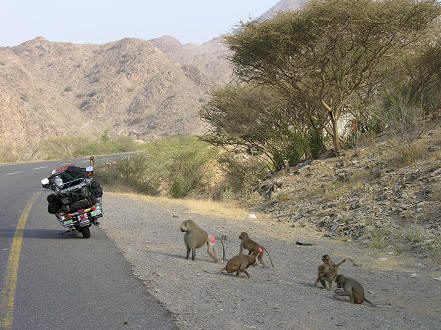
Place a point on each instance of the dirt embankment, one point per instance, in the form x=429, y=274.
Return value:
x=384, y=194
x=284, y=298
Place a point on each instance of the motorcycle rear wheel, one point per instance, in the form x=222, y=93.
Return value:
x=85, y=231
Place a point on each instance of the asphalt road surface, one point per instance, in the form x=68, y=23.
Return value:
x=63, y=281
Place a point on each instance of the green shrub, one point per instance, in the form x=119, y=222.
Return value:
x=241, y=174
x=175, y=166
x=67, y=147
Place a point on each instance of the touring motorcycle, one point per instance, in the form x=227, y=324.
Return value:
x=76, y=200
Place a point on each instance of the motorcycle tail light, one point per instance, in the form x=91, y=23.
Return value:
x=93, y=208
x=69, y=216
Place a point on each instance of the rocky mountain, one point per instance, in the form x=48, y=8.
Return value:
x=131, y=86
x=282, y=6
x=207, y=60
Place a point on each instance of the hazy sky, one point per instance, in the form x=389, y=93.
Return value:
x=101, y=21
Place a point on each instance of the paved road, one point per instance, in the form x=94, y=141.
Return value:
x=63, y=281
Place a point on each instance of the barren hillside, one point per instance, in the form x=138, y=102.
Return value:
x=131, y=86
x=128, y=86
x=385, y=193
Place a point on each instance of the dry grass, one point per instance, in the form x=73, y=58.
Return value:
x=398, y=248
x=283, y=196
x=204, y=207
x=402, y=155
x=330, y=191
x=435, y=193
x=435, y=249
x=414, y=233
x=249, y=199
x=359, y=177
x=436, y=156
x=379, y=237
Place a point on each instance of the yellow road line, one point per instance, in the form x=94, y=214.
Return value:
x=10, y=280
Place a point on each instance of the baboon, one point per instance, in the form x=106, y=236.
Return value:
x=328, y=271
x=238, y=264
x=92, y=160
x=253, y=248
x=347, y=286
x=195, y=237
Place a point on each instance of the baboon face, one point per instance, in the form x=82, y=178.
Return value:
x=325, y=258
x=243, y=235
x=340, y=280
x=251, y=260
x=184, y=226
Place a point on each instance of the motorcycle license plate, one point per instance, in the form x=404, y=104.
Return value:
x=67, y=222
x=95, y=213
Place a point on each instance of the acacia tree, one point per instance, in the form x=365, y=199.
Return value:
x=244, y=116
x=322, y=57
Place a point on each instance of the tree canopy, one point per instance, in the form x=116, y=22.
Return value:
x=322, y=57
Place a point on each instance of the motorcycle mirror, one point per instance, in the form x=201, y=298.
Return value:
x=45, y=183
x=89, y=169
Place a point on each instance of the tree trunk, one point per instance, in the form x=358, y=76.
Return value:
x=335, y=136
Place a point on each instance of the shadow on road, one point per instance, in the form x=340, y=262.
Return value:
x=310, y=285
x=182, y=256
x=168, y=254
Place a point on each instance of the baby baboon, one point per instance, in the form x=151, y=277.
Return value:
x=238, y=264
x=92, y=160
x=195, y=237
x=253, y=248
x=347, y=286
x=328, y=271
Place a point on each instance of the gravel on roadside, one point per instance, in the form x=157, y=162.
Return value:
x=281, y=298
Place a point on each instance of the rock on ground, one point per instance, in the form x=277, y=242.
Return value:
x=282, y=298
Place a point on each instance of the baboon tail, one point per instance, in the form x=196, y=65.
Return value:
x=269, y=257
x=220, y=271
x=369, y=302
x=223, y=248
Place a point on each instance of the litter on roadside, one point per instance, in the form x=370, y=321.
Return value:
x=305, y=244
x=252, y=216
x=382, y=259
x=437, y=278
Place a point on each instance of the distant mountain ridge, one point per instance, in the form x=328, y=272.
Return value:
x=282, y=5
x=131, y=86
